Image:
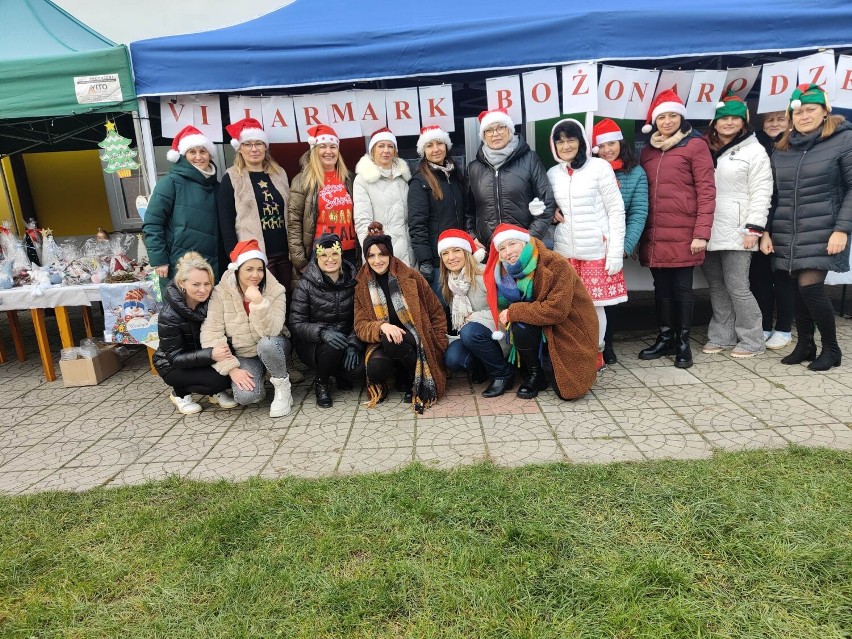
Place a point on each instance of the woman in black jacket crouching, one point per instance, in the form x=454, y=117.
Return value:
x=321, y=318
x=180, y=360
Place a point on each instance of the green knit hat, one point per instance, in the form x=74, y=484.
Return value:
x=731, y=105
x=808, y=94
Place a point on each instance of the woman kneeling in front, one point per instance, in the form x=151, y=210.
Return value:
x=180, y=360
x=546, y=311
x=247, y=311
x=403, y=324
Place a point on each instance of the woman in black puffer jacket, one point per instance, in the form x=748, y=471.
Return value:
x=812, y=217
x=322, y=314
x=436, y=201
x=180, y=360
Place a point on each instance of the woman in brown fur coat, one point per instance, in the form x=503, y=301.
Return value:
x=403, y=324
x=546, y=311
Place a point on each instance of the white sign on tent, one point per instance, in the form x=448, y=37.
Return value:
x=403, y=111
x=613, y=91
x=541, y=95
x=310, y=111
x=341, y=114
x=372, y=113
x=776, y=84
x=844, y=82
x=579, y=88
x=245, y=106
x=678, y=81
x=207, y=116
x=436, y=107
x=505, y=93
x=741, y=80
x=707, y=89
x=819, y=69
x=279, y=120
x=175, y=114
x=640, y=92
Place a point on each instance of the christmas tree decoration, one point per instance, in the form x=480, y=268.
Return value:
x=141, y=250
x=117, y=153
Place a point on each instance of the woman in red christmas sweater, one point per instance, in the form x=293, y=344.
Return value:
x=321, y=200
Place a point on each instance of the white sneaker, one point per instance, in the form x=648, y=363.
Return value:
x=767, y=335
x=778, y=340
x=185, y=404
x=223, y=399
x=282, y=403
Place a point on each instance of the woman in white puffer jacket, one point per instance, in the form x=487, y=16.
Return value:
x=380, y=194
x=743, y=193
x=590, y=229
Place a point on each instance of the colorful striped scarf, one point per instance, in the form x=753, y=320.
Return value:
x=515, y=284
x=424, y=390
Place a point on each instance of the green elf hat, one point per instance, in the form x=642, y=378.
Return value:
x=731, y=105
x=808, y=94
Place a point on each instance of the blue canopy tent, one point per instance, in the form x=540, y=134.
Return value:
x=312, y=42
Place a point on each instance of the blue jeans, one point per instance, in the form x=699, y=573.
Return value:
x=475, y=342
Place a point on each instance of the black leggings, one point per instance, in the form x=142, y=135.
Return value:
x=773, y=290
x=326, y=361
x=203, y=380
x=388, y=356
x=673, y=283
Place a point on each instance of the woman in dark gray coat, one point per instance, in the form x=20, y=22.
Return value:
x=810, y=225
x=321, y=319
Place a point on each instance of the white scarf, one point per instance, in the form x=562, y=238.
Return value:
x=461, y=308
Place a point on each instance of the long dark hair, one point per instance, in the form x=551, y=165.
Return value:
x=432, y=179
x=571, y=130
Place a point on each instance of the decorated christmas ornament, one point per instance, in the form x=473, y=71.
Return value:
x=141, y=206
x=117, y=153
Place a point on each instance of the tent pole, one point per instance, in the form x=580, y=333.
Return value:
x=12, y=215
x=147, y=145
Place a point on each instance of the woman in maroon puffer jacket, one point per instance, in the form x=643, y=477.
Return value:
x=681, y=202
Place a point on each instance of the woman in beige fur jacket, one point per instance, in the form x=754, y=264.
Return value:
x=246, y=312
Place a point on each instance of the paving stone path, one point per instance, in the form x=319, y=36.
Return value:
x=125, y=431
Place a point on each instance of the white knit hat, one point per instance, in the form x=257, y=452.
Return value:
x=429, y=133
x=382, y=135
x=495, y=116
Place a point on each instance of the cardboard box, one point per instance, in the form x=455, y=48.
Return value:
x=90, y=372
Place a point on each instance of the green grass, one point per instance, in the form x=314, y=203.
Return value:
x=743, y=545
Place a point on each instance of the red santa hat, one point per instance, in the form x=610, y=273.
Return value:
x=429, y=133
x=322, y=134
x=188, y=138
x=495, y=116
x=245, y=251
x=456, y=238
x=605, y=131
x=382, y=135
x=246, y=130
x=502, y=233
x=667, y=102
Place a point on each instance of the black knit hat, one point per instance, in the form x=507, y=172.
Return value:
x=327, y=241
x=376, y=235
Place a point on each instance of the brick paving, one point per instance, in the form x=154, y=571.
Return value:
x=125, y=431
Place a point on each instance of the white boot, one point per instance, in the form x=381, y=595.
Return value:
x=224, y=400
x=282, y=403
x=185, y=404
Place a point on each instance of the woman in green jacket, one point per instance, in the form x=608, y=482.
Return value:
x=182, y=214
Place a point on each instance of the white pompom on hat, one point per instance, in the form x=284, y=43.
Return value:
x=429, y=133
x=667, y=102
x=494, y=116
x=189, y=138
x=246, y=130
x=605, y=131
x=382, y=135
x=322, y=134
x=456, y=238
x=502, y=233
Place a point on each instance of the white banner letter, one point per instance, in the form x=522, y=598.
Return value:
x=579, y=88
x=707, y=90
x=403, y=111
x=776, y=85
x=279, y=122
x=505, y=93
x=436, y=107
x=541, y=95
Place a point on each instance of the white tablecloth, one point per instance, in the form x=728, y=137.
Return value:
x=22, y=298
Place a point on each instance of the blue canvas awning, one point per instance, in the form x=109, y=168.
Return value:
x=312, y=42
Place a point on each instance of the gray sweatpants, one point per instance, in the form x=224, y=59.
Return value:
x=736, y=320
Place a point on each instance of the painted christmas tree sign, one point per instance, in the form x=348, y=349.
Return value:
x=117, y=153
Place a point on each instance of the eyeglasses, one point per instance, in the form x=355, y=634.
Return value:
x=495, y=130
x=253, y=145
x=567, y=142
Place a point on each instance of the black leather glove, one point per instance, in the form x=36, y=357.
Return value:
x=333, y=338
x=427, y=271
x=350, y=358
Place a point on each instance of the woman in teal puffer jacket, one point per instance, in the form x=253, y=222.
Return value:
x=182, y=215
x=609, y=145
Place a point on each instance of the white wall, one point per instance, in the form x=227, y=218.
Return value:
x=131, y=20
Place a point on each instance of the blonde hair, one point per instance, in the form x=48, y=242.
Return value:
x=189, y=262
x=471, y=269
x=374, y=151
x=828, y=129
x=315, y=173
x=269, y=164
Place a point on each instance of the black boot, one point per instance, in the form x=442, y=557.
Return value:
x=822, y=311
x=805, y=349
x=665, y=340
x=609, y=356
x=535, y=379
x=322, y=388
x=498, y=386
x=478, y=374
x=683, y=353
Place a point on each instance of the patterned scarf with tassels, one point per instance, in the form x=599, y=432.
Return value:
x=424, y=390
x=515, y=284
